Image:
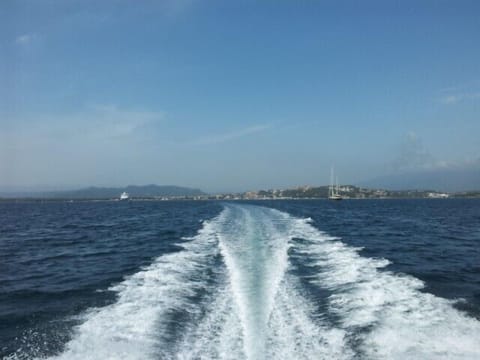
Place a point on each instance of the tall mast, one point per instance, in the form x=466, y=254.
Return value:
x=330, y=187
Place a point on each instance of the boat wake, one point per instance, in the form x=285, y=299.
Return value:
x=257, y=283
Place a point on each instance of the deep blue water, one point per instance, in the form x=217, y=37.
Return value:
x=368, y=279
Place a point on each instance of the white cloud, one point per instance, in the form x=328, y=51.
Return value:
x=25, y=39
x=92, y=123
x=86, y=146
x=413, y=155
x=225, y=137
x=111, y=121
x=452, y=99
x=173, y=8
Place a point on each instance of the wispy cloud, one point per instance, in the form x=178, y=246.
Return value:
x=449, y=99
x=25, y=39
x=86, y=142
x=175, y=7
x=455, y=98
x=413, y=155
x=228, y=136
x=111, y=121
x=91, y=123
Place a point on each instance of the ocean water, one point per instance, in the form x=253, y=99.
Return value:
x=357, y=279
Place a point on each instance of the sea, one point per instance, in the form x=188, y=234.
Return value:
x=283, y=279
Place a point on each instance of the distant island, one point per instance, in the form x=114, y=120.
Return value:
x=171, y=192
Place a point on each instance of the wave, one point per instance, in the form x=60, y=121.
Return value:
x=387, y=315
x=131, y=328
x=235, y=291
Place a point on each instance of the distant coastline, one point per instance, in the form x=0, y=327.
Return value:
x=170, y=192
x=150, y=191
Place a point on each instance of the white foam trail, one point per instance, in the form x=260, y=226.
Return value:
x=387, y=311
x=257, y=312
x=295, y=335
x=256, y=266
x=218, y=336
x=131, y=328
x=253, y=305
x=276, y=321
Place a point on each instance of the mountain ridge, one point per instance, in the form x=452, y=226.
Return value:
x=96, y=192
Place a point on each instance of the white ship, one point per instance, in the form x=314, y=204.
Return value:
x=124, y=196
x=332, y=189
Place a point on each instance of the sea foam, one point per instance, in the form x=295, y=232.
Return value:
x=388, y=314
x=237, y=283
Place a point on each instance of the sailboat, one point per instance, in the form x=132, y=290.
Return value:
x=332, y=189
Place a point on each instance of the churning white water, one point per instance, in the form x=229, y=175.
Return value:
x=234, y=292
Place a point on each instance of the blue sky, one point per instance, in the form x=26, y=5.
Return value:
x=235, y=95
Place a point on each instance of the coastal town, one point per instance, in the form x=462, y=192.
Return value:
x=321, y=192
x=170, y=193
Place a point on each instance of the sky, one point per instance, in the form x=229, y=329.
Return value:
x=235, y=95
